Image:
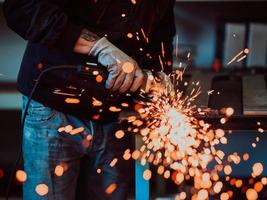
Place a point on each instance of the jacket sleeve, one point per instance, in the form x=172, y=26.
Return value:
x=42, y=21
x=162, y=38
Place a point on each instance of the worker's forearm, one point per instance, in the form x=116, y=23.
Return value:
x=85, y=42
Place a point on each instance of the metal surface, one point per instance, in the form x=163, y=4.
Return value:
x=245, y=91
x=254, y=95
x=205, y=81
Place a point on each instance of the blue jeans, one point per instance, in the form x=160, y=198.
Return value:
x=44, y=148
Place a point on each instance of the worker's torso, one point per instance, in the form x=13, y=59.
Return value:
x=125, y=24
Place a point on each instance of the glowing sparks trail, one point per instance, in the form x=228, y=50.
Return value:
x=144, y=35
x=181, y=146
x=162, y=50
x=239, y=57
x=174, y=137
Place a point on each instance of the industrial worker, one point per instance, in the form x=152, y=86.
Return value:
x=60, y=32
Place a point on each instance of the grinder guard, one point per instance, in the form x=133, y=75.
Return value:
x=77, y=83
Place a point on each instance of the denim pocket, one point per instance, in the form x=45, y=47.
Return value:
x=37, y=112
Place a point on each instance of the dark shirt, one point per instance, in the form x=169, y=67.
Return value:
x=52, y=28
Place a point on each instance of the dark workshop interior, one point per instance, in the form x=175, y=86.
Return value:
x=220, y=44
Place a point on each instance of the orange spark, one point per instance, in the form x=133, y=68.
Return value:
x=95, y=73
x=147, y=174
x=257, y=169
x=114, y=109
x=119, y=134
x=72, y=100
x=59, y=170
x=144, y=35
x=133, y=2
x=251, y=194
x=41, y=189
x=162, y=49
x=76, y=131
x=99, y=78
x=111, y=188
x=96, y=102
x=245, y=156
x=129, y=35
x=261, y=130
x=128, y=67
x=258, y=187
x=113, y=162
x=210, y=92
x=21, y=176
x=224, y=196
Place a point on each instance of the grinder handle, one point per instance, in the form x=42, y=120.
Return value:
x=91, y=70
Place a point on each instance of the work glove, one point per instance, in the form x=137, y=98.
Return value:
x=124, y=72
x=154, y=86
x=158, y=84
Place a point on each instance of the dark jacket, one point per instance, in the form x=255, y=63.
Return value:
x=52, y=27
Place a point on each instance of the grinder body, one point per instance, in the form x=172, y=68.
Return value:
x=79, y=91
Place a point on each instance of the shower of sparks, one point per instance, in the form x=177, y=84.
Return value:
x=181, y=146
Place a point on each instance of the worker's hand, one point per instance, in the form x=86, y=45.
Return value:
x=124, y=72
x=157, y=85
